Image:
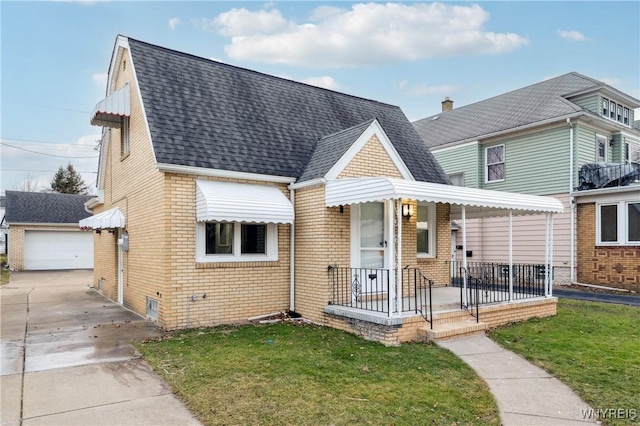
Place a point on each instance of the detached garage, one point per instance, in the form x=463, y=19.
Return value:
x=44, y=234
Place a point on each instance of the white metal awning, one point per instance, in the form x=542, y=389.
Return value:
x=112, y=218
x=238, y=202
x=477, y=202
x=109, y=111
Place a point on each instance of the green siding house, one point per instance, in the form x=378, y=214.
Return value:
x=536, y=140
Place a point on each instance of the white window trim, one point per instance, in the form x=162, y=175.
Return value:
x=486, y=164
x=125, y=143
x=606, y=147
x=270, y=256
x=623, y=224
x=431, y=221
x=602, y=110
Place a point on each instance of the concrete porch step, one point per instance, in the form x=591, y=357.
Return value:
x=450, y=330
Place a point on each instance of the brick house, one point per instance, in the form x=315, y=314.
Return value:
x=226, y=194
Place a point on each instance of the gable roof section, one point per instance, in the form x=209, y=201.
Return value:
x=207, y=114
x=539, y=102
x=45, y=207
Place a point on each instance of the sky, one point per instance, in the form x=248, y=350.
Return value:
x=55, y=57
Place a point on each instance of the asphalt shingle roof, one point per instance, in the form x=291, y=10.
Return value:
x=45, y=207
x=204, y=113
x=538, y=102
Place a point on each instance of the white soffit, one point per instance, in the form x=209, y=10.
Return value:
x=477, y=202
x=108, y=111
x=112, y=218
x=238, y=202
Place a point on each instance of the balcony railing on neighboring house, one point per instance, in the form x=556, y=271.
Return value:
x=368, y=289
x=607, y=175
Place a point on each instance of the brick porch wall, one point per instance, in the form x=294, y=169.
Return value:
x=613, y=266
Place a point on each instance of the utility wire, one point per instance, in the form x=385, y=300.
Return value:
x=41, y=171
x=50, y=143
x=44, y=153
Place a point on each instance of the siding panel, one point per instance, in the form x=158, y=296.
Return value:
x=464, y=159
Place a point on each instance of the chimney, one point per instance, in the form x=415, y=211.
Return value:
x=447, y=104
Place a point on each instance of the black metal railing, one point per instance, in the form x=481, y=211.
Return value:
x=492, y=280
x=607, y=175
x=368, y=289
x=416, y=296
x=362, y=288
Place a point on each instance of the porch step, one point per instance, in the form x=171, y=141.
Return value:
x=450, y=330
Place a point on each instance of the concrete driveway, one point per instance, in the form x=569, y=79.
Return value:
x=67, y=357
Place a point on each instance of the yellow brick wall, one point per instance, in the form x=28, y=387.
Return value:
x=612, y=266
x=15, y=255
x=371, y=161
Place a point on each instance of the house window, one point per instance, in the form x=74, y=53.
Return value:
x=124, y=137
x=236, y=242
x=612, y=110
x=601, y=148
x=457, y=179
x=620, y=113
x=605, y=107
x=632, y=153
x=494, y=158
x=426, y=229
x=625, y=119
x=618, y=223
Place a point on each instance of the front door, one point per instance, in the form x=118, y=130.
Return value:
x=369, y=249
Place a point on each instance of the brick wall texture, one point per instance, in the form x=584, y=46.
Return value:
x=614, y=266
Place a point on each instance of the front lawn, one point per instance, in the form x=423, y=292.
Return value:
x=305, y=375
x=592, y=347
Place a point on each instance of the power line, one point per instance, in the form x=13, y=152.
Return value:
x=50, y=143
x=44, y=153
x=41, y=171
x=54, y=108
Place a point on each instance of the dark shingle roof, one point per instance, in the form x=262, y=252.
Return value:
x=538, y=102
x=45, y=207
x=208, y=114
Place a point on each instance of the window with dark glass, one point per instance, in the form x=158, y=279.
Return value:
x=219, y=238
x=609, y=224
x=633, y=222
x=612, y=110
x=625, y=120
x=620, y=113
x=605, y=107
x=601, y=148
x=495, y=163
x=254, y=239
x=422, y=226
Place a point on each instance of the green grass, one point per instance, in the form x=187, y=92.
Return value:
x=303, y=375
x=5, y=274
x=592, y=347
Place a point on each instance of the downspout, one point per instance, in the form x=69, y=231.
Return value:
x=572, y=233
x=292, y=256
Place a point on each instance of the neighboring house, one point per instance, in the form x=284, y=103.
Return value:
x=231, y=194
x=43, y=231
x=536, y=140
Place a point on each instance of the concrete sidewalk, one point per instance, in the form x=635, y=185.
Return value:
x=526, y=394
x=67, y=357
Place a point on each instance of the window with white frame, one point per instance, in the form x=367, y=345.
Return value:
x=625, y=119
x=605, y=107
x=124, y=136
x=632, y=152
x=616, y=112
x=457, y=179
x=612, y=110
x=236, y=242
x=618, y=223
x=494, y=159
x=601, y=147
x=426, y=229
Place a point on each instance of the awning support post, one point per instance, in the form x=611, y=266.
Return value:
x=546, y=255
x=510, y=255
x=398, y=208
x=464, y=256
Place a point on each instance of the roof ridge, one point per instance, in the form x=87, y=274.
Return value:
x=250, y=71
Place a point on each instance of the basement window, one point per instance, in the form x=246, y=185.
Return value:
x=152, y=308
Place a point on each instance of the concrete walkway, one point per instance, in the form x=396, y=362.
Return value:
x=67, y=357
x=526, y=394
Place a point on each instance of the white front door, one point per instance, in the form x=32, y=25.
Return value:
x=370, y=248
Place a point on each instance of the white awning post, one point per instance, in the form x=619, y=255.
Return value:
x=550, y=269
x=546, y=256
x=510, y=255
x=398, y=257
x=393, y=302
x=464, y=256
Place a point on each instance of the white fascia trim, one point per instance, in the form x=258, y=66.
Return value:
x=308, y=183
x=449, y=148
x=90, y=204
x=374, y=129
x=191, y=170
x=606, y=195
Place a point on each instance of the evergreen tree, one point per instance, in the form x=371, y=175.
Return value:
x=68, y=181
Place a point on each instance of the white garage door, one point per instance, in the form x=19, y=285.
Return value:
x=58, y=250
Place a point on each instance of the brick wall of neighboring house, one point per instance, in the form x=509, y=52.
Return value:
x=235, y=291
x=133, y=184
x=615, y=266
x=15, y=257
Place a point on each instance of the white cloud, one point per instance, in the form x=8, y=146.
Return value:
x=421, y=90
x=324, y=81
x=100, y=79
x=611, y=81
x=173, y=23
x=371, y=33
x=572, y=35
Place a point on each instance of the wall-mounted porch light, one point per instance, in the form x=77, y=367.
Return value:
x=407, y=210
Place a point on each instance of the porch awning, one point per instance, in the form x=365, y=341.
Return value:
x=477, y=202
x=109, y=111
x=112, y=218
x=238, y=202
